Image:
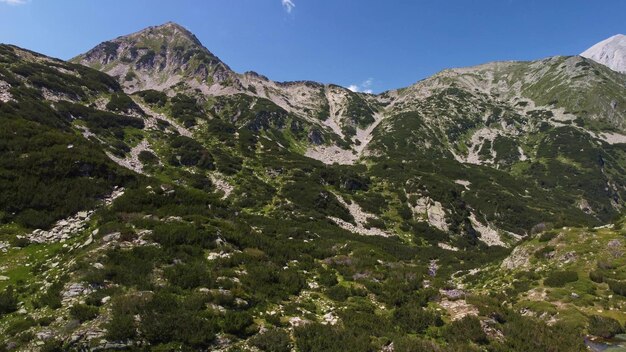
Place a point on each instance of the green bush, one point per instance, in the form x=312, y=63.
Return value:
x=165, y=319
x=604, y=327
x=617, y=286
x=153, y=97
x=530, y=334
x=8, y=301
x=414, y=319
x=83, y=312
x=189, y=152
x=130, y=75
x=560, y=278
x=122, y=327
x=464, y=330
x=22, y=242
x=414, y=344
x=315, y=337
x=338, y=293
x=176, y=234
x=427, y=232
x=186, y=109
x=361, y=113
x=327, y=277
x=200, y=181
x=238, y=323
x=74, y=178
x=146, y=59
x=121, y=102
x=42, y=76
x=267, y=281
x=274, y=340
x=596, y=276
x=547, y=236
x=405, y=212
x=52, y=297
x=543, y=252
x=20, y=325
x=45, y=321
x=132, y=268
x=374, y=222
x=53, y=345
x=147, y=158
x=190, y=275
x=604, y=264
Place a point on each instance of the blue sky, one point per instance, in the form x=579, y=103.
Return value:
x=371, y=44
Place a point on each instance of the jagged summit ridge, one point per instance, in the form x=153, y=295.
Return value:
x=610, y=52
x=171, y=59
x=158, y=57
x=176, y=28
x=342, y=123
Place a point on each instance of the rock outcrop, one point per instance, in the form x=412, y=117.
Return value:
x=66, y=228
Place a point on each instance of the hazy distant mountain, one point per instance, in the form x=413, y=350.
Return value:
x=610, y=52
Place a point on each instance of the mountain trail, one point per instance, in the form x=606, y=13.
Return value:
x=360, y=218
x=151, y=121
x=365, y=136
x=132, y=161
x=334, y=154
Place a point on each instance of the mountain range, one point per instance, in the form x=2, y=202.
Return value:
x=153, y=198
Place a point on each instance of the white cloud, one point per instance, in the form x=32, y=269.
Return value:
x=364, y=87
x=287, y=4
x=14, y=2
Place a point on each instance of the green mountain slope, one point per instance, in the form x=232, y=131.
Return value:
x=569, y=274
x=170, y=203
x=48, y=169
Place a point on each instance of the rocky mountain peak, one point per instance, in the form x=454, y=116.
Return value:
x=171, y=59
x=610, y=52
x=159, y=57
x=169, y=33
x=172, y=30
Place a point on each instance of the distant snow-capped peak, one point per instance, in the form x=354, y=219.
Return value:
x=610, y=52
